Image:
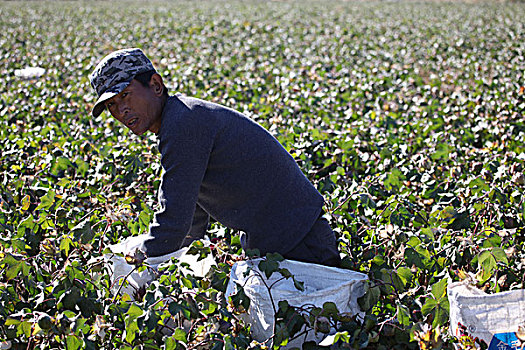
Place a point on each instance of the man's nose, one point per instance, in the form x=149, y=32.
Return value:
x=123, y=109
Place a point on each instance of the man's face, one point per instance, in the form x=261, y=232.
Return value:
x=138, y=107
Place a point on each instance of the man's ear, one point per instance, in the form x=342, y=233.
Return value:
x=156, y=84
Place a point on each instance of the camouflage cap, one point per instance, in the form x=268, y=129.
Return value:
x=114, y=73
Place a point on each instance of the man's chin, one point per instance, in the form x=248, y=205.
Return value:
x=138, y=132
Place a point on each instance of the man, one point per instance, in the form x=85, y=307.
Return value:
x=216, y=162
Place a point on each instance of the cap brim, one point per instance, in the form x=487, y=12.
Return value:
x=109, y=93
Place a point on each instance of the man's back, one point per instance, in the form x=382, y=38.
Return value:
x=228, y=165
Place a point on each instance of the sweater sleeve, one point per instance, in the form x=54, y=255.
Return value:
x=199, y=226
x=185, y=143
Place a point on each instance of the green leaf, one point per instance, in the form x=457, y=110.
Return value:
x=240, y=298
x=14, y=266
x=186, y=282
x=174, y=308
x=268, y=266
x=478, y=185
x=283, y=305
x=228, y=343
x=414, y=242
x=461, y=221
x=274, y=257
x=439, y=289
x=65, y=245
x=70, y=298
x=403, y=315
x=170, y=343
x=369, y=298
x=131, y=331
x=499, y=255
x=342, y=336
x=394, y=179
x=424, y=252
x=405, y=274
x=209, y=308
x=73, y=342
x=330, y=309
x=180, y=335
x=47, y=200
x=83, y=232
x=413, y=258
x=486, y=261
x=442, y=152
x=494, y=241
x=59, y=165
x=27, y=226
x=397, y=281
x=281, y=337
x=427, y=233
x=236, y=241
x=82, y=167
x=12, y=321
x=26, y=202
x=285, y=273
x=144, y=218
x=24, y=328
x=438, y=308
x=448, y=213
x=429, y=306
x=13, y=270
x=298, y=285
x=441, y=312
x=134, y=312
x=378, y=260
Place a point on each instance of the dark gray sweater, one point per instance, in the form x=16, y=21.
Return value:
x=219, y=160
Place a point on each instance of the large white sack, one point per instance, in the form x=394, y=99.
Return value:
x=30, y=72
x=120, y=268
x=321, y=284
x=493, y=318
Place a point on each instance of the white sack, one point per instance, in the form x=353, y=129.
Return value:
x=493, y=318
x=321, y=284
x=30, y=72
x=120, y=268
